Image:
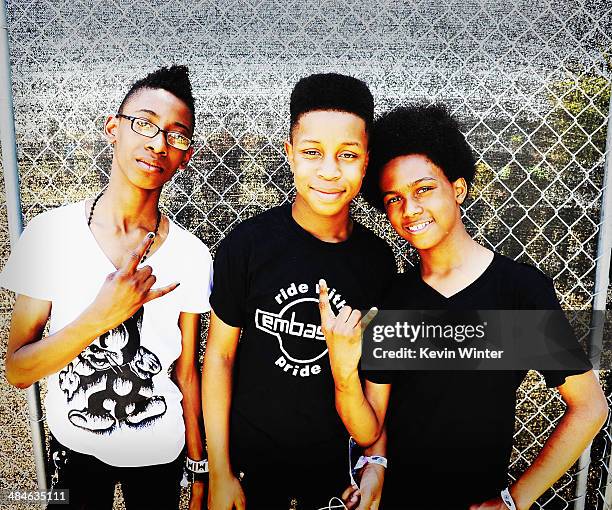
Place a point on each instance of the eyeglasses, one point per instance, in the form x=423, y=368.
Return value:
x=147, y=128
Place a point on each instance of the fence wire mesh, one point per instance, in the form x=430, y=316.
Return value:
x=529, y=80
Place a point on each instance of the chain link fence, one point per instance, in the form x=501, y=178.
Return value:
x=529, y=80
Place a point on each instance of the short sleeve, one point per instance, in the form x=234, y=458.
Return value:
x=29, y=270
x=197, y=296
x=228, y=297
x=379, y=376
x=538, y=293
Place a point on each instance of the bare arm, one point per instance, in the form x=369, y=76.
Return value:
x=217, y=379
x=585, y=414
x=363, y=417
x=372, y=476
x=188, y=380
x=29, y=359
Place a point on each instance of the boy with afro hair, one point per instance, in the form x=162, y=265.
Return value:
x=449, y=433
x=268, y=399
x=118, y=326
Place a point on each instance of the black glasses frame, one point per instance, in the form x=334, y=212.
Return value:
x=165, y=132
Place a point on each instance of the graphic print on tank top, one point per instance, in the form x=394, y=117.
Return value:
x=115, y=374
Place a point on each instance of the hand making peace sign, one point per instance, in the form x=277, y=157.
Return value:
x=342, y=334
x=128, y=288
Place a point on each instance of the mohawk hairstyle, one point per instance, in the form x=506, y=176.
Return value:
x=331, y=91
x=174, y=79
x=419, y=129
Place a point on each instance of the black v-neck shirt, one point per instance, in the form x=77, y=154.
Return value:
x=450, y=433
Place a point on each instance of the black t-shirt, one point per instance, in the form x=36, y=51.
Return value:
x=450, y=433
x=266, y=274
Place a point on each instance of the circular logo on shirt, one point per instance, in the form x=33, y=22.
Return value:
x=296, y=328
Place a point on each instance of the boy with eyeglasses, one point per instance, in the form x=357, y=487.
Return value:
x=268, y=392
x=114, y=408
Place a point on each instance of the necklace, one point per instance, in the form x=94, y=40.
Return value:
x=91, y=211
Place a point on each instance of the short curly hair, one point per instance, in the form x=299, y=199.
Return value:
x=429, y=130
x=331, y=91
x=174, y=79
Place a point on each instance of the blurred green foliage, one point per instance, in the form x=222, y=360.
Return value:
x=581, y=103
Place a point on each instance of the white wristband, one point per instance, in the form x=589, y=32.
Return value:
x=507, y=499
x=374, y=459
x=196, y=466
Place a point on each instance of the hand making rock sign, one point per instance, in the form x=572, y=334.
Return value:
x=128, y=288
x=121, y=296
x=342, y=334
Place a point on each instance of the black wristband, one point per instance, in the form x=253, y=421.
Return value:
x=196, y=477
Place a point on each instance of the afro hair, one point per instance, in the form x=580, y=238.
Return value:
x=332, y=92
x=174, y=79
x=429, y=130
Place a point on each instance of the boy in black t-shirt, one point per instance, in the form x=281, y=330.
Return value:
x=449, y=434
x=269, y=399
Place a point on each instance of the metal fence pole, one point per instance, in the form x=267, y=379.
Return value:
x=13, y=205
x=602, y=280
